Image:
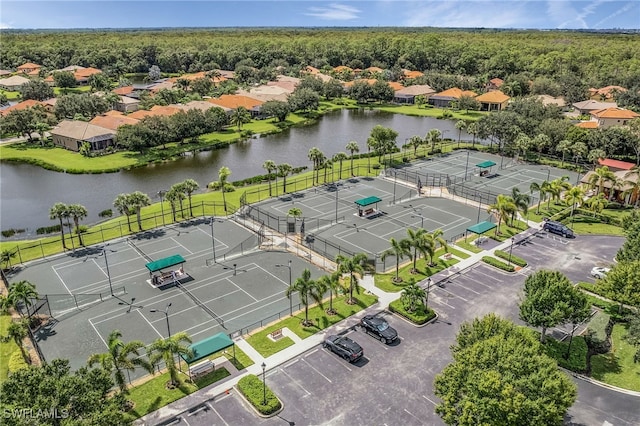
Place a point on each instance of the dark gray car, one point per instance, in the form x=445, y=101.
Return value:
x=379, y=328
x=345, y=347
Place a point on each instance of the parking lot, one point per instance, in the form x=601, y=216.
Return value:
x=393, y=384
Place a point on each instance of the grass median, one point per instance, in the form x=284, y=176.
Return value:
x=617, y=367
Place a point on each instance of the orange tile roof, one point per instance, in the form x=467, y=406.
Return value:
x=123, y=91
x=49, y=79
x=616, y=164
x=374, y=69
x=29, y=103
x=614, y=113
x=155, y=110
x=235, y=101
x=341, y=68
x=587, y=124
x=34, y=73
x=412, y=74
x=113, y=113
x=113, y=121
x=396, y=86
x=456, y=93
x=497, y=82
x=28, y=66
x=493, y=97
x=86, y=72
x=310, y=70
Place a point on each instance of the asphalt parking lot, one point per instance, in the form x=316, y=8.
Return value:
x=393, y=384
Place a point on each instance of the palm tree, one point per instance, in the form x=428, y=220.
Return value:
x=415, y=142
x=399, y=249
x=600, y=176
x=432, y=241
x=565, y=147
x=416, y=241
x=295, y=213
x=223, y=175
x=119, y=358
x=540, y=189
x=634, y=184
x=270, y=167
x=502, y=208
x=339, y=157
x=190, y=186
x=18, y=331
x=575, y=197
x=22, y=292
x=556, y=188
x=174, y=194
x=433, y=137
x=121, y=203
x=596, y=204
x=138, y=200
x=306, y=288
x=521, y=201
x=78, y=212
x=522, y=143
x=352, y=147
x=59, y=211
x=317, y=158
x=473, y=129
x=284, y=169
x=330, y=283
x=167, y=349
x=412, y=296
x=5, y=258
x=460, y=126
x=352, y=266
x=240, y=116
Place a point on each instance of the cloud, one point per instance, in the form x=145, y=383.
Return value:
x=335, y=12
x=467, y=14
x=565, y=15
x=626, y=8
x=4, y=26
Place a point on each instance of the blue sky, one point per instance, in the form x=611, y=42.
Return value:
x=543, y=14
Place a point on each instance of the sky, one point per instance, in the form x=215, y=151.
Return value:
x=540, y=14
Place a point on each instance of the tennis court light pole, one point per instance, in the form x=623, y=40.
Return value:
x=466, y=166
x=161, y=194
x=166, y=316
x=280, y=265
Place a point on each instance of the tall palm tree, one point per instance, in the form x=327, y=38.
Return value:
x=78, y=212
x=460, y=126
x=473, y=129
x=270, y=167
x=433, y=241
x=190, y=186
x=399, y=249
x=352, y=147
x=502, y=208
x=353, y=266
x=415, y=141
x=119, y=357
x=59, y=211
x=634, y=184
x=317, y=158
x=417, y=243
x=521, y=201
x=306, y=288
x=596, y=204
x=412, y=296
x=167, y=349
x=565, y=147
x=339, y=158
x=173, y=195
x=330, y=283
x=541, y=189
x=121, y=203
x=138, y=200
x=575, y=197
x=556, y=188
x=18, y=331
x=433, y=137
x=240, y=116
x=284, y=169
x=21, y=293
x=223, y=175
x=600, y=176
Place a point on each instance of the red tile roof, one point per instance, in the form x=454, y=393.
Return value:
x=587, y=124
x=616, y=164
x=493, y=97
x=497, y=82
x=235, y=101
x=123, y=91
x=341, y=68
x=113, y=121
x=456, y=93
x=29, y=66
x=155, y=110
x=412, y=74
x=86, y=72
x=615, y=113
x=29, y=103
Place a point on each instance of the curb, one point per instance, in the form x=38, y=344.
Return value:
x=407, y=320
x=255, y=410
x=599, y=383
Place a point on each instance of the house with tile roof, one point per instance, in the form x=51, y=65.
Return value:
x=343, y=68
x=445, y=98
x=5, y=72
x=156, y=110
x=113, y=121
x=232, y=102
x=494, y=100
x=29, y=103
x=127, y=104
x=587, y=124
x=71, y=134
x=622, y=188
x=29, y=68
x=494, y=84
x=605, y=93
x=82, y=75
x=616, y=165
x=550, y=100
x=407, y=95
x=585, y=107
x=13, y=83
x=408, y=74
x=609, y=117
x=123, y=91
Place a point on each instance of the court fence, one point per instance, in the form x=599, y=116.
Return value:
x=54, y=305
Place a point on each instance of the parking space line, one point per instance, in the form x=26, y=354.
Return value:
x=289, y=364
x=454, y=295
x=316, y=370
x=425, y=397
x=462, y=286
x=295, y=381
x=411, y=414
x=218, y=414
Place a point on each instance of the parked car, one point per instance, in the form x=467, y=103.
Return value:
x=379, y=328
x=599, y=272
x=558, y=228
x=345, y=347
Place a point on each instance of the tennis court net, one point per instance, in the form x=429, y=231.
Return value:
x=199, y=303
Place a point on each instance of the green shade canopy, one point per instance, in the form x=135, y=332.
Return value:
x=166, y=262
x=208, y=346
x=363, y=202
x=485, y=164
x=482, y=227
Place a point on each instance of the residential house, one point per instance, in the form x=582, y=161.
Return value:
x=229, y=75
x=445, y=98
x=616, y=165
x=200, y=105
x=50, y=105
x=609, y=117
x=123, y=91
x=605, y=93
x=156, y=110
x=71, y=134
x=29, y=68
x=29, y=103
x=343, y=69
x=585, y=107
x=494, y=100
x=407, y=95
x=13, y=83
x=587, y=124
x=5, y=72
x=82, y=75
x=266, y=93
x=407, y=74
x=127, y=104
x=113, y=121
x=235, y=101
x=494, y=84
x=622, y=187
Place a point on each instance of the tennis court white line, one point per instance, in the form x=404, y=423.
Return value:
x=241, y=289
x=148, y=322
x=60, y=278
x=174, y=240
x=99, y=335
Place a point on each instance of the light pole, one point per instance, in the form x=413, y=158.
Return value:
x=213, y=240
x=429, y=282
x=161, y=194
x=336, y=203
x=466, y=166
x=264, y=385
x=106, y=263
x=395, y=178
x=421, y=219
x=166, y=315
x=280, y=265
x=510, y=250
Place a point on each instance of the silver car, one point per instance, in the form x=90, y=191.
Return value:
x=599, y=272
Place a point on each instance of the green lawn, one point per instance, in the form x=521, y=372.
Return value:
x=80, y=89
x=617, y=367
x=11, y=96
x=430, y=112
x=8, y=350
x=385, y=281
x=266, y=347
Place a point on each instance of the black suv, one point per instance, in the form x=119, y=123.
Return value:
x=345, y=347
x=558, y=228
x=379, y=328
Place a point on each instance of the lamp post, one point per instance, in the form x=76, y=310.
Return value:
x=548, y=174
x=429, y=282
x=336, y=203
x=395, y=178
x=106, y=263
x=466, y=166
x=213, y=240
x=166, y=316
x=264, y=385
x=511, y=250
x=421, y=219
x=280, y=265
x=161, y=194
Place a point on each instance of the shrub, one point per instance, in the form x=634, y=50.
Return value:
x=106, y=213
x=598, y=332
x=420, y=316
x=48, y=229
x=514, y=259
x=498, y=264
x=11, y=232
x=252, y=389
x=577, y=358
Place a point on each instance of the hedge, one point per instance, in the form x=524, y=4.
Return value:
x=557, y=350
x=598, y=332
x=419, y=317
x=498, y=264
x=252, y=389
x=514, y=259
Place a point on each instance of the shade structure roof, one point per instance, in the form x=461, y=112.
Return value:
x=165, y=262
x=481, y=227
x=363, y=202
x=208, y=346
x=485, y=164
